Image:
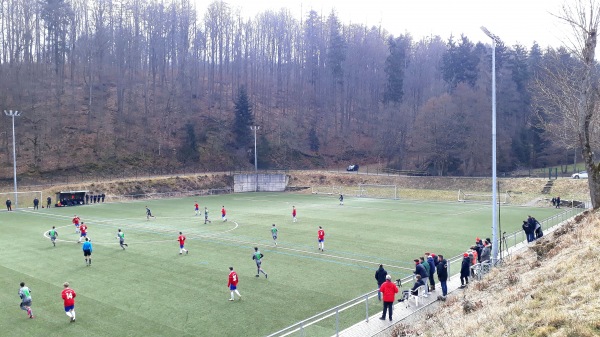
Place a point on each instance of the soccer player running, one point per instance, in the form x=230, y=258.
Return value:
x=25, y=295
x=53, y=234
x=257, y=257
x=181, y=240
x=232, y=283
x=196, y=208
x=87, y=252
x=75, y=221
x=121, y=237
x=206, y=216
x=148, y=213
x=83, y=231
x=68, y=296
x=321, y=238
x=294, y=213
x=274, y=233
x=341, y=200
x=223, y=214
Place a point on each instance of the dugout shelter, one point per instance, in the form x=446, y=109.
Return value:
x=70, y=198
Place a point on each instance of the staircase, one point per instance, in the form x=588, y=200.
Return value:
x=548, y=187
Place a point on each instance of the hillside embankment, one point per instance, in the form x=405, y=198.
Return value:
x=549, y=289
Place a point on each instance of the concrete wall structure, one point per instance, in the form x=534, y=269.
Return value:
x=259, y=182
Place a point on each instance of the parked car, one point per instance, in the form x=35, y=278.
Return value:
x=582, y=174
x=352, y=168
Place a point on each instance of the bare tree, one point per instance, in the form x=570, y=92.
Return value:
x=569, y=97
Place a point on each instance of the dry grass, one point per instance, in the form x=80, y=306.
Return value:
x=533, y=294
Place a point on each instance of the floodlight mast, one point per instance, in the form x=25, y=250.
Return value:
x=14, y=114
x=495, y=242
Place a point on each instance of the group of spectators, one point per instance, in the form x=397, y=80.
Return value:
x=556, y=202
x=532, y=229
x=94, y=198
x=426, y=268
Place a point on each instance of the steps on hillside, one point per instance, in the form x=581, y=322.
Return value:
x=548, y=187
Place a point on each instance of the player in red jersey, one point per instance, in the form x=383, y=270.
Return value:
x=321, y=239
x=223, y=214
x=76, y=223
x=181, y=240
x=232, y=283
x=294, y=213
x=196, y=208
x=83, y=229
x=68, y=296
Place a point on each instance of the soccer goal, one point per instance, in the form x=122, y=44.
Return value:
x=464, y=196
x=21, y=199
x=322, y=189
x=378, y=191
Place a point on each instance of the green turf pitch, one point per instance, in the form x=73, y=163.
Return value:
x=151, y=290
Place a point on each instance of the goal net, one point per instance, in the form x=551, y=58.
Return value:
x=322, y=189
x=378, y=191
x=21, y=199
x=465, y=196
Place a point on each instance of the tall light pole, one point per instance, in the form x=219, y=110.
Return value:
x=255, y=128
x=495, y=40
x=14, y=114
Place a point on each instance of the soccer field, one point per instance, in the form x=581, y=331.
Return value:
x=151, y=290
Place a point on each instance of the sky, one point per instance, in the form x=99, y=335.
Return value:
x=514, y=21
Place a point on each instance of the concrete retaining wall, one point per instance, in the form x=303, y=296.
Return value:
x=259, y=182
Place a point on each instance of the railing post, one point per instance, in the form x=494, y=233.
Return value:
x=302, y=329
x=367, y=306
x=337, y=321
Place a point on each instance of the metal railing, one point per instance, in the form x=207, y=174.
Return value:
x=454, y=266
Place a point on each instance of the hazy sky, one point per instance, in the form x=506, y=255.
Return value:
x=513, y=21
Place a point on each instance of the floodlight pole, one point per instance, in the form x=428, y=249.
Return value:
x=255, y=128
x=14, y=114
x=495, y=39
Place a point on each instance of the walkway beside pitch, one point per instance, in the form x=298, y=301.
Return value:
x=375, y=326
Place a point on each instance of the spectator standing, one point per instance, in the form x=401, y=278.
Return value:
x=442, y=272
x=389, y=290
x=431, y=263
x=465, y=270
x=48, y=202
x=425, y=264
x=102, y=196
x=36, y=203
x=485, y=253
x=8, y=205
x=87, y=199
x=558, y=202
x=527, y=230
x=380, y=275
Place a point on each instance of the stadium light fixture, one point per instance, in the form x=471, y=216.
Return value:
x=495, y=40
x=14, y=114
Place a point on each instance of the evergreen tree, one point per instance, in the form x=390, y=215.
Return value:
x=188, y=152
x=243, y=120
x=395, y=66
x=459, y=63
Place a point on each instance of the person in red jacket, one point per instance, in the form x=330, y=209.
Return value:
x=389, y=291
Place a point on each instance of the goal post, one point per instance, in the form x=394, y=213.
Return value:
x=465, y=196
x=327, y=189
x=377, y=191
x=21, y=199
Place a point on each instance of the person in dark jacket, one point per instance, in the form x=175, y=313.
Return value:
x=8, y=205
x=414, y=290
x=431, y=263
x=442, y=273
x=465, y=270
x=558, y=202
x=87, y=199
x=36, y=203
x=528, y=231
x=102, y=196
x=420, y=269
x=48, y=202
x=380, y=275
x=485, y=253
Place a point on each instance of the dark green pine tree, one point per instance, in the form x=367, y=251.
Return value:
x=395, y=64
x=243, y=120
x=188, y=152
x=313, y=140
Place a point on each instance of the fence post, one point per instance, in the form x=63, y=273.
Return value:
x=337, y=321
x=367, y=305
x=302, y=329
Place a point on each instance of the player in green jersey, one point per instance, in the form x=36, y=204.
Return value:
x=274, y=233
x=121, y=237
x=53, y=234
